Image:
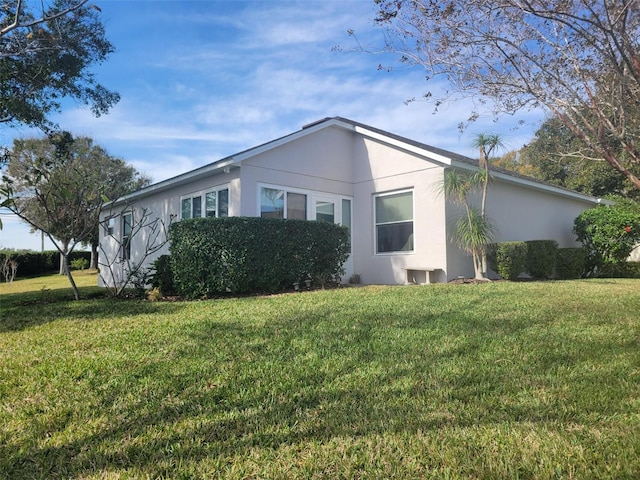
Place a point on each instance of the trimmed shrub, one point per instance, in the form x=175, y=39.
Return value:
x=541, y=258
x=213, y=256
x=570, y=262
x=621, y=270
x=162, y=276
x=510, y=259
x=33, y=263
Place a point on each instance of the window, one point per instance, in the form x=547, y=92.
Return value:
x=346, y=215
x=325, y=211
x=109, y=226
x=273, y=201
x=216, y=204
x=127, y=227
x=394, y=222
x=296, y=206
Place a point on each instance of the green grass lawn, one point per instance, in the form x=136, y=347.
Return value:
x=502, y=380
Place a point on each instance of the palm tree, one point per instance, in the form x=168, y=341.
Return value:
x=486, y=145
x=473, y=231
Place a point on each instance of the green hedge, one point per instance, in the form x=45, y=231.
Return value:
x=40, y=263
x=511, y=258
x=570, y=262
x=621, y=270
x=213, y=256
x=541, y=258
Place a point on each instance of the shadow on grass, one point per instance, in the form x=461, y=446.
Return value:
x=315, y=376
x=19, y=311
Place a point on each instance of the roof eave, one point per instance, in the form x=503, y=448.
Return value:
x=211, y=169
x=536, y=185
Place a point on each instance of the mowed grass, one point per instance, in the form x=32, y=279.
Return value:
x=502, y=380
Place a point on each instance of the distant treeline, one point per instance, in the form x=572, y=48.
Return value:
x=39, y=263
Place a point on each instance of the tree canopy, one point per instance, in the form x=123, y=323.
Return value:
x=579, y=59
x=556, y=156
x=60, y=185
x=47, y=50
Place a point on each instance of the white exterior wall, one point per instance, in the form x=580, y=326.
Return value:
x=521, y=213
x=381, y=169
x=320, y=162
x=164, y=205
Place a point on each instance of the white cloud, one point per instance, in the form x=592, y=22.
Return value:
x=209, y=79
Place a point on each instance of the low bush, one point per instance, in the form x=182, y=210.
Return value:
x=33, y=263
x=609, y=233
x=621, y=270
x=509, y=259
x=162, y=276
x=541, y=258
x=79, y=263
x=570, y=262
x=213, y=256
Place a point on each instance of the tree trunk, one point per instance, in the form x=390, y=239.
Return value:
x=477, y=265
x=74, y=287
x=64, y=263
x=93, y=265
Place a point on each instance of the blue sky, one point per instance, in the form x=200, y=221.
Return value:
x=201, y=80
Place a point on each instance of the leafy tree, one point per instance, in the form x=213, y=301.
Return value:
x=608, y=233
x=577, y=59
x=116, y=179
x=61, y=185
x=46, y=53
x=556, y=156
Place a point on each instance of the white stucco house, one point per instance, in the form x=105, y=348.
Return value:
x=384, y=187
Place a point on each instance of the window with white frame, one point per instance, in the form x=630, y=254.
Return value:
x=280, y=203
x=346, y=216
x=127, y=228
x=216, y=203
x=284, y=202
x=209, y=203
x=394, y=222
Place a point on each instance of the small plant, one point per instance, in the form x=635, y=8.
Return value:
x=139, y=281
x=154, y=294
x=79, y=263
x=162, y=276
x=355, y=279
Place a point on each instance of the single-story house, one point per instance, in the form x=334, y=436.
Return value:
x=384, y=187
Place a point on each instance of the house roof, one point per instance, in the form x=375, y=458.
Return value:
x=443, y=157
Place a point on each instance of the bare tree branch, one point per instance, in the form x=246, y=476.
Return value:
x=45, y=18
x=579, y=60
